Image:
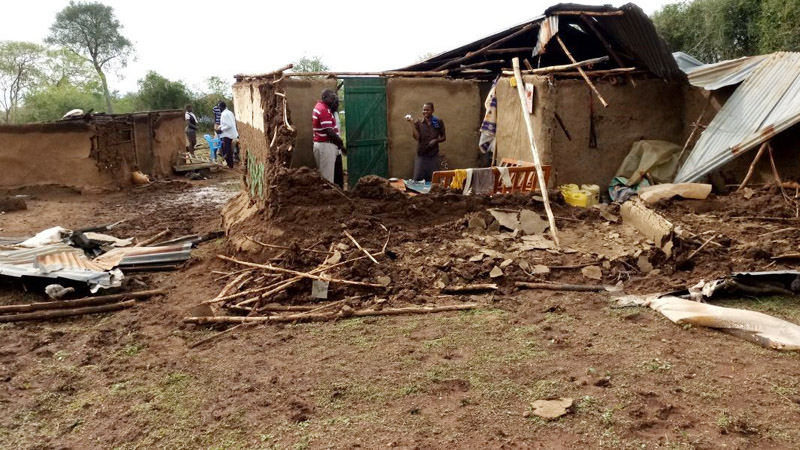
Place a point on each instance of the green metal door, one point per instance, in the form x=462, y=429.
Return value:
x=365, y=128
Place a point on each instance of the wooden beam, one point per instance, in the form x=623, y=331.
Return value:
x=396, y=73
x=480, y=64
x=244, y=77
x=585, y=77
x=534, y=152
x=611, y=51
x=549, y=69
x=500, y=51
x=588, y=13
x=483, y=50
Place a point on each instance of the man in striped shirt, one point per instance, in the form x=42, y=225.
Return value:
x=327, y=143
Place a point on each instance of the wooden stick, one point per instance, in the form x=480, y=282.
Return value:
x=282, y=247
x=753, y=165
x=536, y=161
x=527, y=64
x=480, y=64
x=152, y=239
x=583, y=74
x=695, y=127
x=391, y=73
x=346, y=233
x=483, y=50
x=588, y=13
x=776, y=219
x=240, y=77
x=58, y=313
x=285, y=117
x=230, y=285
x=691, y=255
x=559, y=287
x=611, y=51
x=326, y=306
x=87, y=301
x=329, y=316
x=545, y=70
x=469, y=288
x=302, y=274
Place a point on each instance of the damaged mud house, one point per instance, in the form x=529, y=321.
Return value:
x=623, y=177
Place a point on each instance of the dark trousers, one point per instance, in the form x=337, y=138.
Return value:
x=227, y=151
x=338, y=172
x=191, y=136
x=424, y=166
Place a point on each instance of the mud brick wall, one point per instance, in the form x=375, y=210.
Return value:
x=652, y=110
x=457, y=102
x=267, y=138
x=512, y=135
x=44, y=154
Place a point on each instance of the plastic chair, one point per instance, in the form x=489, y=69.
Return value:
x=214, y=145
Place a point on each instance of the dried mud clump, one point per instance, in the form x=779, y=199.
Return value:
x=376, y=188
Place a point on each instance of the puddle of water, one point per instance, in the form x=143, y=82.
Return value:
x=213, y=196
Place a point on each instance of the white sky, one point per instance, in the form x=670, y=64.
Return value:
x=194, y=39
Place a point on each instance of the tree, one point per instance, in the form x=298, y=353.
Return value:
x=715, y=30
x=50, y=102
x=313, y=64
x=91, y=31
x=62, y=67
x=157, y=92
x=216, y=86
x=19, y=70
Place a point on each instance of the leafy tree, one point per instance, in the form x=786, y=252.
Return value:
x=218, y=86
x=91, y=31
x=62, y=67
x=51, y=102
x=157, y=92
x=779, y=26
x=715, y=30
x=19, y=70
x=313, y=64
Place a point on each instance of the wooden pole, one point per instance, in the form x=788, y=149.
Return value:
x=296, y=273
x=611, y=51
x=559, y=287
x=483, y=50
x=87, y=301
x=753, y=165
x=469, y=288
x=588, y=13
x=329, y=316
x=695, y=127
x=59, y=313
x=534, y=152
x=396, y=73
x=545, y=70
x=480, y=64
x=147, y=242
x=585, y=77
x=241, y=77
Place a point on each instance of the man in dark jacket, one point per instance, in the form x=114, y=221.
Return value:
x=428, y=132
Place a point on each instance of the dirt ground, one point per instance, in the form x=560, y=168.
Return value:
x=129, y=379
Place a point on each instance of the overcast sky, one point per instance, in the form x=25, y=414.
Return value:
x=192, y=40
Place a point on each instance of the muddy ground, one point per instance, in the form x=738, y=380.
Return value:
x=453, y=380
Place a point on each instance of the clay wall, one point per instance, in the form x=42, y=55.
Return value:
x=457, y=102
x=55, y=153
x=512, y=135
x=302, y=94
x=156, y=156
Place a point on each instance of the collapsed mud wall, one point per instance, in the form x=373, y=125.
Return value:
x=168, y=141
x=512, y=135
x=43, y=154
x=457, y=102
x=266, y=134
x=302, y=94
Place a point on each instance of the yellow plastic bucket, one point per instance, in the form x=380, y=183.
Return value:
x=577, y=198
x=594, y=191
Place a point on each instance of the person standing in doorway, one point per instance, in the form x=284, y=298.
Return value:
x=327, y=143
x=428, y=131
x=338, y=169
x=191, y=128
x=227, y=132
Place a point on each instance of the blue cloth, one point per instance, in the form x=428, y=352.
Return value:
x=435, y=122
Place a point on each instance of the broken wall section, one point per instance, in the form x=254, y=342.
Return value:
x=267, y=136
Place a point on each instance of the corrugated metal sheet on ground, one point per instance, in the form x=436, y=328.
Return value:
x=66, y=261
x=765, y=104
x=145, y=255
x=724, y=73
x=29, y=255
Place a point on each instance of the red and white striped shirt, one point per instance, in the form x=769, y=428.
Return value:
x=322, y=118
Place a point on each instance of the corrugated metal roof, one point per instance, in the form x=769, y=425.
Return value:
x=631, y=31
x=686, y=62
x=637, y=35
x=724, y=73
x=29, y=255
x=765, y=104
